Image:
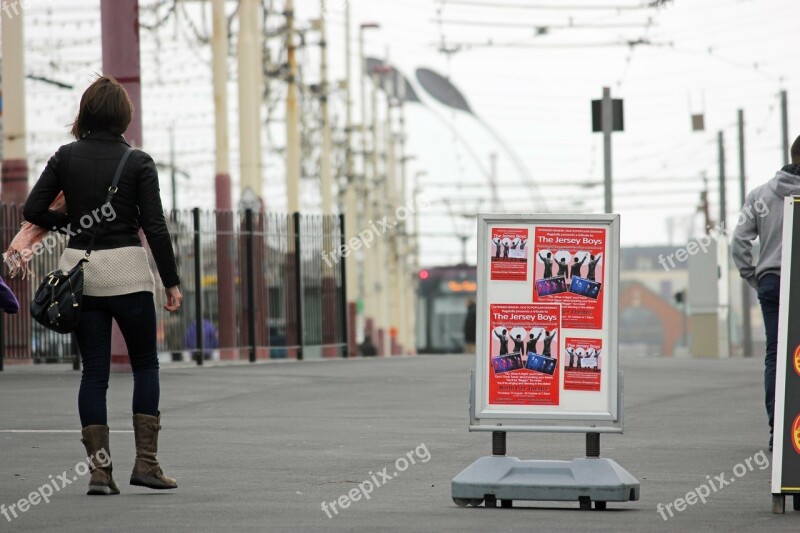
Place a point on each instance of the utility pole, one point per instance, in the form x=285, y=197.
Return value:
x=722, y=260
x=330, y=309
x=173, y=173
x=226, y=283
x=354, y=294
x=326, y=179
x=379, y=203
x=608, y=128
x=747, y=334
x=120, y=37
x=407, y=318
x=15, y=154
x=396, y=285
x=14, y=166
x=415, y=252
x=722, y=200
x=705, y=208
x=219, y=51
x=250, y=79
x=493, y=183
x=366, y=188
x=292, y=118
x=785, y=126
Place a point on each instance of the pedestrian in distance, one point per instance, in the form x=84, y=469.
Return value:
x=8, y=301
x=368, y=348
x=469, y=327
x=764, y=274
x=118, y=282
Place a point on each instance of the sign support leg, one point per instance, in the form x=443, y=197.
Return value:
x=498, y=442
x=593, y=445
x=778, y=504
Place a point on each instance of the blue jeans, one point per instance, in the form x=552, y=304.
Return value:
x=769, y=292
x=135, y=315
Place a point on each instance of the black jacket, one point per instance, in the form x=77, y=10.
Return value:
x=84, y=170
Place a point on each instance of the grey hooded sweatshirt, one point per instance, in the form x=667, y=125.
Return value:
x=762, y=217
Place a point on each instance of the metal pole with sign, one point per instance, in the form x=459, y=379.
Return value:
x=786, y=448
x=547, y=360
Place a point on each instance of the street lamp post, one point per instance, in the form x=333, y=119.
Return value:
x=366, y=185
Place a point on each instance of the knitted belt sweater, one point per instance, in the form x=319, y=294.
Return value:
x=112, y=272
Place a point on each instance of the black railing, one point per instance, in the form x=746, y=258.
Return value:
x=254, y=284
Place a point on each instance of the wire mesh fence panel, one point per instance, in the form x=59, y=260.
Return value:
x=23, y=338
x=280, y=298
x=254, y=285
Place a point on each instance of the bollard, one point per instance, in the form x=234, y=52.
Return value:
x=251, y=297
x=299, y=294
x=343, y=307
x=198, y=288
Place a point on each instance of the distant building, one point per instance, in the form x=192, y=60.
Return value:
x=651, y=321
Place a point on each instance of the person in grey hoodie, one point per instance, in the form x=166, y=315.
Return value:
x=762, y=218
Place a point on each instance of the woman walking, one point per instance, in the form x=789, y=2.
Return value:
x=118, y=282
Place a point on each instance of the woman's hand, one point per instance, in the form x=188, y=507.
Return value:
x=174, y=299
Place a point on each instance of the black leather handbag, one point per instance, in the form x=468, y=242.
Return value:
x=57, y=303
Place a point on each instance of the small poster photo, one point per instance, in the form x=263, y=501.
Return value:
x=541, y=363
x=582, y=368
x=541, y=359
x=585, y=287
x=509, y=254
x=503, y=334
x=551, y=286
x=507, y=363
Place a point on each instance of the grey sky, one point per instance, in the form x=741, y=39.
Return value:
x=711, y=56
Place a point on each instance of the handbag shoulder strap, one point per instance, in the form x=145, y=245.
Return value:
x=112, y=190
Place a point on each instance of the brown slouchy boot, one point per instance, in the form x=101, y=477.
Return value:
x=95, y=440
x=146, y=471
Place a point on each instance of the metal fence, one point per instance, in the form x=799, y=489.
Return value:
x=254, y=285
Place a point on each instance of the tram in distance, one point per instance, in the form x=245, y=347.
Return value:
x=442, y=307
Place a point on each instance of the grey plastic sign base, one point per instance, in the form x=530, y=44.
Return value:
x=585, y=480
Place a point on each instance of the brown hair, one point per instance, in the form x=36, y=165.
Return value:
x=796, y=151
x=105, y=106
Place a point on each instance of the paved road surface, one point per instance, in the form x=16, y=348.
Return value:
x=259, y=448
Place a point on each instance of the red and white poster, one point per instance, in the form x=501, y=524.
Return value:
x=582, y=364
x=509, y=254
x=524, y=351
x=569, y=267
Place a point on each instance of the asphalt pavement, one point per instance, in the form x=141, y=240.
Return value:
x=261, y=447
